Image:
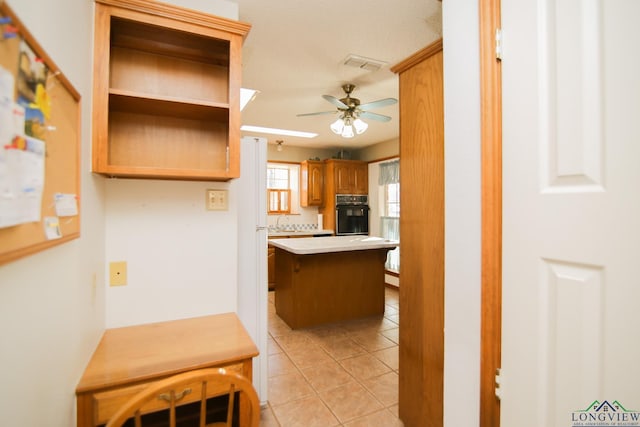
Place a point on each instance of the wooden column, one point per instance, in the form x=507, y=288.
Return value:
x=421, y=374
x=491, y=152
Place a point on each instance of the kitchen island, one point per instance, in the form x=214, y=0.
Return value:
x=329, y=279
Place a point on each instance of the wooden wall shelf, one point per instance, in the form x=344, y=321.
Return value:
x=166, y=92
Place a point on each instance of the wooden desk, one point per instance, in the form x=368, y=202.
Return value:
x=130, y=358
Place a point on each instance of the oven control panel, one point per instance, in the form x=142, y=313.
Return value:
x=352, y=199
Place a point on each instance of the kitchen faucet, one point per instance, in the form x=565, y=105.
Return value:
x=278, y=222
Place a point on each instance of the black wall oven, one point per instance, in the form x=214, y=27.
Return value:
x=352, y=214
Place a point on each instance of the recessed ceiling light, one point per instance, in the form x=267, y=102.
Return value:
x=274, y=131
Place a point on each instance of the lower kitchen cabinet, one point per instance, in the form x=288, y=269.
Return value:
x=271, y=267
x=271, y=257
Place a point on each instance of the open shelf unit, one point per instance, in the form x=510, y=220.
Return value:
x=166, y=92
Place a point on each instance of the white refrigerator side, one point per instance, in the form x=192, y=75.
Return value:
x=252, y=252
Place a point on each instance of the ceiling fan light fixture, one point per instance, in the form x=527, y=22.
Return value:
x=360, y=126
x=337, y=126
x=350, y=110
x=347, y=131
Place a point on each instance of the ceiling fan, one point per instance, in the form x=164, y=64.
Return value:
x=351, y=112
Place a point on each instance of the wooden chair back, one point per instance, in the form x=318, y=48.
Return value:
x=198, y=385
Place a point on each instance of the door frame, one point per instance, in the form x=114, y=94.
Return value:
x=491, y=211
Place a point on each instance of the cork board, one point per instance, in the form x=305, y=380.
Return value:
x=40, y=167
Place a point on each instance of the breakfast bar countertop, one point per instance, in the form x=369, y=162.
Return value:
x=320, y=245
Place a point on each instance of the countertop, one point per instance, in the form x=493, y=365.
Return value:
x=319, y=245
x=296, y=233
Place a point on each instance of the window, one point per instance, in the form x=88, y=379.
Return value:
x=392, y=200
x=389, y=185
x=278, y=189
x=278, y=201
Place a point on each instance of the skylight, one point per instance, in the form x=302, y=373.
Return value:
x=274, y=131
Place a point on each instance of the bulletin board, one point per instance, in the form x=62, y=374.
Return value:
x=39, y=146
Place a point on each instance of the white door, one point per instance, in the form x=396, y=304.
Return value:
x=251, y=190
x=571, y=253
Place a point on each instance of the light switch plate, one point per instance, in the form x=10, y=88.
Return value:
x=217, y=200
x=118, y=273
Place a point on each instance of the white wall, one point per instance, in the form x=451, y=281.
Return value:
x=381, y=150
x=462, y=213
x=181, y=259
x=52, y=303
x=291, y=153
x=224, y=8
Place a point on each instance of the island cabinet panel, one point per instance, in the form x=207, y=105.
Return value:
x=271, y=267
x=166, y=92
x=311, y=183
x=315, y=289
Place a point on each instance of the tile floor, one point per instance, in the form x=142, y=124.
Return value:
x=343, y=374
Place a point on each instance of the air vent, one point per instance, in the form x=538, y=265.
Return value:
x=364, y=63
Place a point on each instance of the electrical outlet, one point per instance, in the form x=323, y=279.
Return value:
x=217, y=200
x=118, y=273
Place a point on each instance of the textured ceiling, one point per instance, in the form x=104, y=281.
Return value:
x=295, y=51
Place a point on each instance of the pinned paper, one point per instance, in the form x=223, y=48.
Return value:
x=52, y=228
x=7, y=86
x=9, y=32
x=21, y=181
x=66, y=204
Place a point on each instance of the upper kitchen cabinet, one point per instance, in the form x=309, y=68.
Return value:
x=349, y=176
x=166, y=92
x=311, y=183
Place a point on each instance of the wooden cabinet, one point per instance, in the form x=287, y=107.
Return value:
x=321, y=288
x=166, y=92
x=350, y=177
x=342, y=177
x=311, y=183
x=271, y=258
x=131, y=358
x=361, y=178
x=422, y=236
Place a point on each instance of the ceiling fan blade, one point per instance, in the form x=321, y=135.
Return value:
x=377, y=104
x=335, y=101
x=316, y=114
x=374, y=116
